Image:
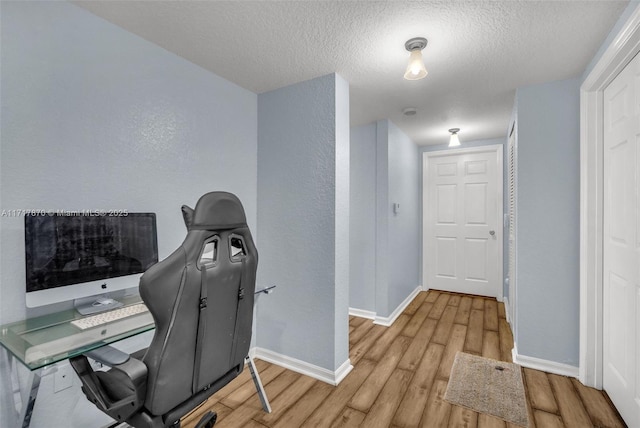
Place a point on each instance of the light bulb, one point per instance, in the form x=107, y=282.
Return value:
x=454, y=141
x=416, y=69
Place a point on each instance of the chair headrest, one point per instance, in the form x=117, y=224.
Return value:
x=215, y=211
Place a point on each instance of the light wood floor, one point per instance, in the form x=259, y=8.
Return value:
x=400, y=376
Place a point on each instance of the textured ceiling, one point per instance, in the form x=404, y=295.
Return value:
x=479, y=52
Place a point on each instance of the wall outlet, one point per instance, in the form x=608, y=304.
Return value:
x=63, y=378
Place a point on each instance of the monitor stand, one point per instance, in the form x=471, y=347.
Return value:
x=94, y=304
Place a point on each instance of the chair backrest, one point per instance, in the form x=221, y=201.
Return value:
x=201, y=299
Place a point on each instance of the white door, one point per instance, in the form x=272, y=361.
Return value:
x=462, y=206
x=621, y=276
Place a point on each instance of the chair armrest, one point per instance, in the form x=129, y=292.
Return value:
x=108, y=355
x=119, y=392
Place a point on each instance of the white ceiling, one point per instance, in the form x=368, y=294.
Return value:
x=479, y=52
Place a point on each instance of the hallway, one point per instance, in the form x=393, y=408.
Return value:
x=400, y=376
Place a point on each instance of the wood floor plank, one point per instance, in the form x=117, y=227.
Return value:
x=478, y=303
x=547, y=420
x=530, y=417
x=437, y=412
x=438, y=306
x=571, y=409
x=475, y=335
x=454, y=300
x=240, y=416
x=597, y=406
x=357, y=351
x=412, y=357
x=191, y=420
x=356, y=321
x=539, y=390
x=441, y=335
x=305, y=405
x=491, y=345
x=360, y=331
x=506, y=340
x=260, y=365
x=387, y=402
x=252, y=406
x=415, y=303
x=349, y=418
x=240, y=380
x=253, y=424
x=432, y=296
x=464, y=309
x=488, y=421
x=491, y=315
x=455, y=344
x=412, y=327
x=285, y=400
x=367, y=393
x=501, y=310
x=382, y=344
x=330, y=408
x=415, y=399
x=462, y=418
x=242, y=394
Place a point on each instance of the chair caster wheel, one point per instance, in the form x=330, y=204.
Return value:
x=208, y=420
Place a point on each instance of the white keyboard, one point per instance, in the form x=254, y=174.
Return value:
x=88, y=337
x=109, y=316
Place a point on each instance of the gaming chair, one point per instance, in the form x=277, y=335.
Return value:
x=201, y=299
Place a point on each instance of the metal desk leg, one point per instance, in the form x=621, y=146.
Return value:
x=256, y=380
x=28, y=399
x=27, y=405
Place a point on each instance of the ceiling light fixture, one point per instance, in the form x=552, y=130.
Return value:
x=416, y=69
x=454, y=141
x=409, y=111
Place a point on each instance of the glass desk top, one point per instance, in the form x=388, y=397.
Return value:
x=38, y=342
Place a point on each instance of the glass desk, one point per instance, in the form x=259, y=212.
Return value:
x=40, y=342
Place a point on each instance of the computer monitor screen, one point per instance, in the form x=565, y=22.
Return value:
x=69, y=256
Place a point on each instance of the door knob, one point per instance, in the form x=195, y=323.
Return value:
x=492, y=232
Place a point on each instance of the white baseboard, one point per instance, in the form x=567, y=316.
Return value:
x=362, y=313
x=544, y=365
x=388, y=321
x=302, y=367
x=507, y=311
x=252, y=352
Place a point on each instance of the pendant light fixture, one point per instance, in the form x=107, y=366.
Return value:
x=454, y=141
x=416, y=69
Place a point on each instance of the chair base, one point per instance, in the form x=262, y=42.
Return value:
x=208, y=420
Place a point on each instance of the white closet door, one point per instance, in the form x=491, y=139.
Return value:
x=621, y=277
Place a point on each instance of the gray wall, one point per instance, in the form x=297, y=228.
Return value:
x=548, y=224
x=404, y=240
x=301, y=220
x=362, y=276
x=94, y=117
x=385, y=247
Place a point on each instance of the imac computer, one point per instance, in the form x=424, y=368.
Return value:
x=71, y=258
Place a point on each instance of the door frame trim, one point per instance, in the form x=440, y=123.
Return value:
x=619, y=53
x=494, y=148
